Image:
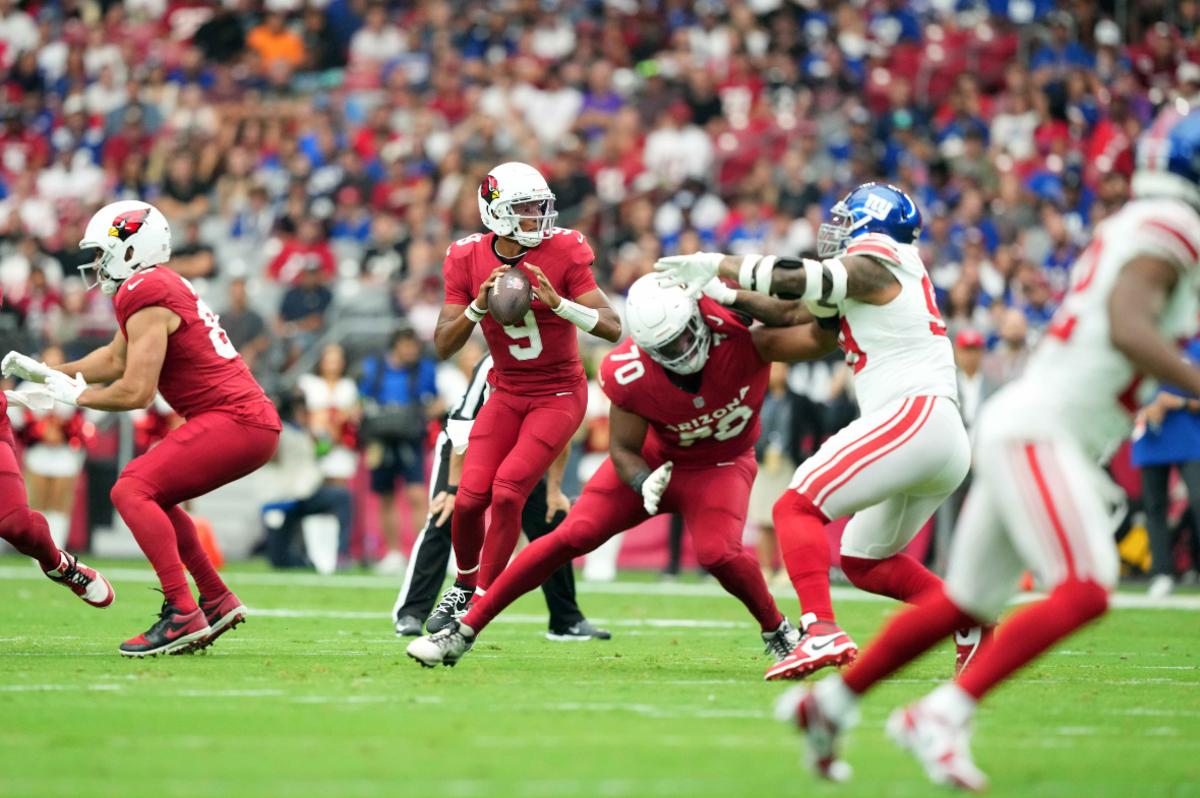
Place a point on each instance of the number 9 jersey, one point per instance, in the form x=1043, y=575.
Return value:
x=202, y=371
x=714, y=425
x=540, y=356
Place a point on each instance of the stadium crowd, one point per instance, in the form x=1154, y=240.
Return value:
x=316, y=158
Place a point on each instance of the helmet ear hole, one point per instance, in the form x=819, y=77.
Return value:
x=128, y=254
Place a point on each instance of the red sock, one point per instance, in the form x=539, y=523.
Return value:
x=195, y=558
x=800, y=528
x=529, y=570
x=742, y=578
x=155, y=534
x=1033, y=630
x=909, y=635
x=466, y=534
x=900, y=576
x=502, y=533
x=29, y=534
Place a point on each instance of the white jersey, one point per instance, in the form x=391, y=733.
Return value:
x=900, y=349
x=1076, y=383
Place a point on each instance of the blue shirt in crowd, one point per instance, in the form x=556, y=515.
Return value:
x=1178, y=439
x=398, y=385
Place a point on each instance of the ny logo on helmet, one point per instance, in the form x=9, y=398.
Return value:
x=489, y=189
x=128, y=223
x=878, y=207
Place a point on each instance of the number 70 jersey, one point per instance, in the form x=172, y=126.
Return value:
x=201, y=371
x=714, y=425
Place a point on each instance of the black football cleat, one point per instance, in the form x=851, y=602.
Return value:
x=452, y=607
x=173, y=632
x=584, y=630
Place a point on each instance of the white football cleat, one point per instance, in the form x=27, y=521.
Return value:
x=445, y=647
x=800, y=707
x=822, y=645
x=942, y=746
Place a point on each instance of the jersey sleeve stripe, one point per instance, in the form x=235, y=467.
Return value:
x=1192, y=251
x=875, y=250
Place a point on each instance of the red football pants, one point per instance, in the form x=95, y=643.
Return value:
x=208, y=451
x=25, y=529
x=713, y=503
x=513, y=442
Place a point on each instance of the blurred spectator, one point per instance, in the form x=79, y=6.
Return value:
x=245, y=327
x=774, y=451
x=974, y=387
x=302, y=311
x=1007, y=358
x=331, y=402
x=307, y=252
x=397, y=389
x=191, y=257
x=276, y=45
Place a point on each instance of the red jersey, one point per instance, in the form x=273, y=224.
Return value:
x=202, y=371
x=540, y=356
x=715, y=425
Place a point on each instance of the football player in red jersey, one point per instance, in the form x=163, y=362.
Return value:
x=169, y=341
x=27, y=530
x=686, y=393
x=539, y=388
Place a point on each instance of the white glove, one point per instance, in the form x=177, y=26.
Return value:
x=17, y=365
x=717, y=291
x=655, y=486
x=693, y=271
x=36, y=398
x=66, y=389
x=820, y=310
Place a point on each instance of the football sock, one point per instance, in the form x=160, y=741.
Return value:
x=194, y=557
x=60, y=527
x=800, y=528
x=29, y=534
x=906, y=637
x=532, y=567
x=742, y=579
x=952, y=703
x=1033, y=630
x=900, y=576
x=466, y=534
x=155, y=535
x=503, y=531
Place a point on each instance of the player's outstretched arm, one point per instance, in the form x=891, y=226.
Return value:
x=792, y=344
x=148, y=330
x=771, y=311
x=1134, y=307
x=847, y=277
x=100, y=365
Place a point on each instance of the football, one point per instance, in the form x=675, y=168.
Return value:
x=510, y=297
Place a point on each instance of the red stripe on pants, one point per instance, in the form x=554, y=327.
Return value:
x=1039, y=480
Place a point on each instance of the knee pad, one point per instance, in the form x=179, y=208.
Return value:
x=507, y=498
x=15, y=523
x=793, y=503
x=469, y=502
x=129, y=489
x=713, y=554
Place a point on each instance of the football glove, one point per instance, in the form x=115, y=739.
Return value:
x=24, y=367
x=655, y=486
x=693, y=271
x=37, y=399
x=66, y=389
x=716, y=290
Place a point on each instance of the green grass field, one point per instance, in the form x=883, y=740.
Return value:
x=314, y=697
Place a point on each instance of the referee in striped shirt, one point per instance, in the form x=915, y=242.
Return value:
x=430, y=556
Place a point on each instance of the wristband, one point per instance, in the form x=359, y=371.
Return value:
x=746, y=271
x=475, y=313
x=639, y=479
x=584, y=318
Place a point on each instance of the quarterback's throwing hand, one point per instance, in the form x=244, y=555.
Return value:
x=66, y=389
x=26, y=368
x=693, y=271
x=655, y=486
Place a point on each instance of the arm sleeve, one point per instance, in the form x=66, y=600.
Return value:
x=148, y=292
x=454, y=275
x=580, y=279
x=1168, y=238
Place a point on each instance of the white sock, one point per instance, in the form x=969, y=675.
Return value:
x=465, y=630
x=837, y=701
x=952, y=703
x=60, y=527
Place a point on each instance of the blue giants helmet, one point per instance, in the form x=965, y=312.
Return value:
x=870, y=208
x=1168, y=156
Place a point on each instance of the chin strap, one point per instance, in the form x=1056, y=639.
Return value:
x=583, y=317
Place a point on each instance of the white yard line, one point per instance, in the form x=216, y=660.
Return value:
x=840, y=593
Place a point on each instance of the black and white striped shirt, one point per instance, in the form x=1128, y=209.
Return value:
x=462, y=416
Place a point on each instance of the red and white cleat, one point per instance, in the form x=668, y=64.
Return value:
x=222, y=613
x=87, y=583
x=968, y=643
x=942, y=746
x=822, y=645
x=799, y=706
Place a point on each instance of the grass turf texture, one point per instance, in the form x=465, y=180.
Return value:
x=314, y=697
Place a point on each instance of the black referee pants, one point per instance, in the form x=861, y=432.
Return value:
x=430, y=557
